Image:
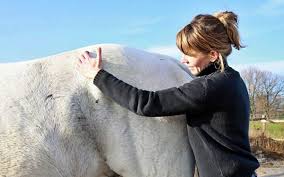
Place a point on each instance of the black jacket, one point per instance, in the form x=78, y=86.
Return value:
x=217, y=108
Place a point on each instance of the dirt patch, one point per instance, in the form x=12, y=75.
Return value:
x=267, y=147
x=270, y=154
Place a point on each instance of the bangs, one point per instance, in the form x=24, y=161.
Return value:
x=188, y=41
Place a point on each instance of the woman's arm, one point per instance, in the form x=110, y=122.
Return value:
x=172, y=101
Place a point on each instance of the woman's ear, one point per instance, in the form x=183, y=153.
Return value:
x=213, y=55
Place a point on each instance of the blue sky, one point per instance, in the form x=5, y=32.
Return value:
x=38, y=28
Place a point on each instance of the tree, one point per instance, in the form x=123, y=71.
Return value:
x=265, y=91
x=272, y=88
x=252, y=77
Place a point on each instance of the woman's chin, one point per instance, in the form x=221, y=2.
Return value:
x=193, y=71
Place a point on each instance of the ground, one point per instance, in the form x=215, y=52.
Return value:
x=274, y=169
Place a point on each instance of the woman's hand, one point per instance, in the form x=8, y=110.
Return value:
x=88, y=66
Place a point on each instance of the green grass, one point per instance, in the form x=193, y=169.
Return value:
x=273, y=130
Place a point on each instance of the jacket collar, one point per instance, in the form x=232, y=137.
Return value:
x=211, y=68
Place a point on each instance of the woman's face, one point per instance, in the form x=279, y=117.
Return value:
x=196, y=62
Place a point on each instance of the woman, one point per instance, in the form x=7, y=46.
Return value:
x=216, y=102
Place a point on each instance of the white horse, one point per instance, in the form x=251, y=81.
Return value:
x=55, y=123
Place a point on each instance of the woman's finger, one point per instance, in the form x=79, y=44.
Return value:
x=86, y=54
x=82, y=58
x=99, y=57
x=88, y=60
x=99, y=52
x=79, y=60
x=88, y=57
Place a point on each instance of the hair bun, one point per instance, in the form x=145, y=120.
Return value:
x=227, y=18
x=230, y=21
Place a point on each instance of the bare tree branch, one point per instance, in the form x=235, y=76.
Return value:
x=265, y=91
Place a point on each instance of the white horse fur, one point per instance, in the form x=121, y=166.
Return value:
x=56, y=123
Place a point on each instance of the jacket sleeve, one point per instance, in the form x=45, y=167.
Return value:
x=172, y=101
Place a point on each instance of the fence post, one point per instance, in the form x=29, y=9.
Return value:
x=263, y=121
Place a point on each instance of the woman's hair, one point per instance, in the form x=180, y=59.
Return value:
x=207, y=33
